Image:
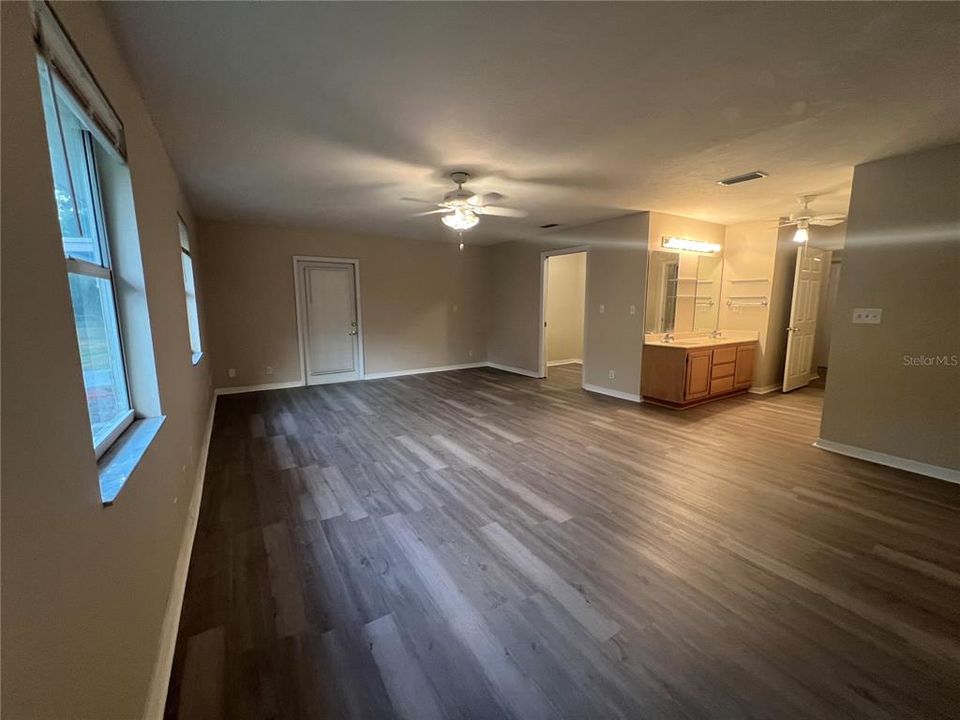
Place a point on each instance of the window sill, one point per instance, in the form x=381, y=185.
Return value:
x=195, y=358
x=119, y=462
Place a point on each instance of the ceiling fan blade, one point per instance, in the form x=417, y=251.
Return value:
x=501, y=211
x=788, y=224
x=827, y=222
x=431, y=212
x=490, y=197
x=428, y=202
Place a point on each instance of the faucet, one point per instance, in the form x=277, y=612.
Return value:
x=714, y=334
x=668, y=337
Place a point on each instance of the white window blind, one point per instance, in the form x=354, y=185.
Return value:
x=69, y=68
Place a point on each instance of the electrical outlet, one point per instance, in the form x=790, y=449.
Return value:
x=867, y=316
x=611, y=374
x=602, y=308
x=232, y=372
x=633, y=309
x=269, y=369
x=470, y=352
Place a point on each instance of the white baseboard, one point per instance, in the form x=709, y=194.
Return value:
x=570, y=361
x=514, y=370
x=258, y=388
x=157, y=695
x=914, y=466
x=422, y=371
x=765, y=389
x=612, y=393
x=380, y=375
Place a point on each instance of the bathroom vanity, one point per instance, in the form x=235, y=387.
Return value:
x=689, y=371
x=702, y=324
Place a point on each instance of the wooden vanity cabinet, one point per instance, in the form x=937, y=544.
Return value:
x=697, y=382
x=678, y=377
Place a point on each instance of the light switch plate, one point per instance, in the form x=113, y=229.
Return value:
x=867, y=316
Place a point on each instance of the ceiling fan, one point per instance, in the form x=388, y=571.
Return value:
x=461, y=209
x=806, y=217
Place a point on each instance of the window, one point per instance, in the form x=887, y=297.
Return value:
x=190, y=288
x=71, y=136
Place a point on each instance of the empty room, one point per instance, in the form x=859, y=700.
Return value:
x=448, y=360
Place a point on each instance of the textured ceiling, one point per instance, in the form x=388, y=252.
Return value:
x=329, y=113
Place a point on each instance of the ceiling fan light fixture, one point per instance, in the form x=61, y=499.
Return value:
x=801, y=235
x=461, y=219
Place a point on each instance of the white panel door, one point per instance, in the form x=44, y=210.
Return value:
x=808, y=278
x=329, y=322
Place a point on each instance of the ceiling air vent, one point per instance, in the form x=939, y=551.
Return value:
x=549, y=225
x=736, y=179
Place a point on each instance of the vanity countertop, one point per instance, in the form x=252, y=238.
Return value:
x=701, y=341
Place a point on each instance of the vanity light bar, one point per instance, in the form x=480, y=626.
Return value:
x=679, y=243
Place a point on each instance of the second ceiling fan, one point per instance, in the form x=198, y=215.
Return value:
x=461, y=209
x=806, y=217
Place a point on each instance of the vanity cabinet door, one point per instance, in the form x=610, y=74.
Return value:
x=743, y=375
x=698, y=375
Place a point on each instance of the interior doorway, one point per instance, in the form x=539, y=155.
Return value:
x=562, y=311
x=810, y=273
x=328, y=319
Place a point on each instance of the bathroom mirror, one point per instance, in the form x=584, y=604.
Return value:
x=683, y=292
x=706, y=310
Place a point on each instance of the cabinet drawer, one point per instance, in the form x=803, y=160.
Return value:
x=720, y=385
x=725, y=355
x=723, y=370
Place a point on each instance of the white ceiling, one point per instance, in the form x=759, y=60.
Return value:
x=329, y=113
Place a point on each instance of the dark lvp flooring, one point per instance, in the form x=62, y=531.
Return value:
x=475, y=544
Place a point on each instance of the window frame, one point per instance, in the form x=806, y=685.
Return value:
x=183, y=233
x=61, y=96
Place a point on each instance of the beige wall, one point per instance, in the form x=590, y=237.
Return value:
x=513, y=333
x=423, y=303
x=566, y=288
x=84, y=586
x=616, y=277
x=751, y=268
x=902, y=254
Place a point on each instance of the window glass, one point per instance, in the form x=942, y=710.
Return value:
x=99, y=339
x=189, y=286
x=76, y=191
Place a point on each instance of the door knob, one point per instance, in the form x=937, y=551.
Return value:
x=352, y=332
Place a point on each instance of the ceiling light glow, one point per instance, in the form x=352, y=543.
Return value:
x=461, y=219
x=801, y=235
x=700, y=246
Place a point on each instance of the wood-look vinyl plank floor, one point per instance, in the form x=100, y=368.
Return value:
x=476, y=544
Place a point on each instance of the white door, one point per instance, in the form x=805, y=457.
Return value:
x=808, y=279
x=329, y=322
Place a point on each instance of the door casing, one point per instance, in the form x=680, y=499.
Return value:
x=298, y=262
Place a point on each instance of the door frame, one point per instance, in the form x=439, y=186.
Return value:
x=297, y=259
x=542, y=367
